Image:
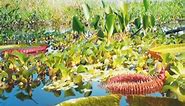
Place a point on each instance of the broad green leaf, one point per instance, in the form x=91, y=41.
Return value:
x=22, y=57
x=100, y=34
x=181, y=68
x=88, y=85
x=137, y=22
x=77, y=79
x=89, y=52
x=145, y=21
x=117, y=28
x=121, y=21
x=126, y=13
x=169, y=78
x=176, y=71
x=110, y=20
x=14, y=77
x=77, y=25
x=175, y=89
x=182, y=90
x=81, y=69
x=146, y=4
x=95, y=21
x=124, y=16
x=152, y=20
x=4, y=74
x=166, y=57
x=86, y=10
x=64, y=71
x=118, y=61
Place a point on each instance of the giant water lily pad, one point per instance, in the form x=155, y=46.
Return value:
x=153, y=101
x=173, y=48
x=25, y=49
x=110, y=100
x=164, y=49
x=3, y=47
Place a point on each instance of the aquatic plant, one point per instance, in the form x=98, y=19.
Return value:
x=135, y=84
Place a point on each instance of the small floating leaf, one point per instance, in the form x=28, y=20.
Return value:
x=77, y=79
x=57, y=93
x=22, y=96
x=3, y=97
x=81, y=69
x=14, y=77
x=88, y=93
x=68, y=93
x=95, y=21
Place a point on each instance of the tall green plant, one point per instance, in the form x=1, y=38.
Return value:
x=86, y=11
x=146, y=5
x=77, y=25
x=110, y=21
x=148, y=20
x=123, y=16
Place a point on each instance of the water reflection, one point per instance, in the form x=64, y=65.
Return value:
x=40, y=97
x=36, y=96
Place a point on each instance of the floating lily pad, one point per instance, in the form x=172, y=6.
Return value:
x=26, y=49
x=110, y=100
x=153, y=101
x=164, y=49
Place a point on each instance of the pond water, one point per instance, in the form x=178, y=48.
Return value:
x=41, y=97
